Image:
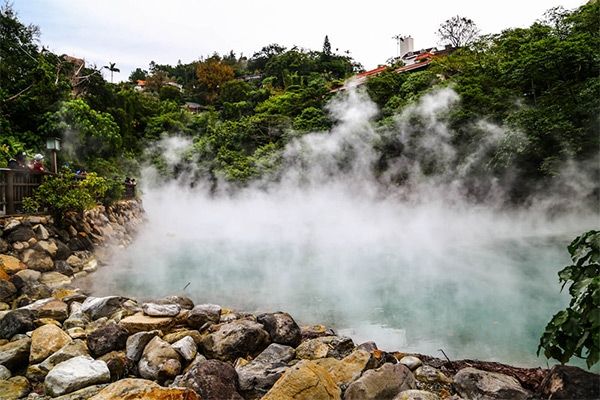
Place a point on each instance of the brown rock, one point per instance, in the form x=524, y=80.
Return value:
x=238, y=338
x=304, y=381
x=178, y=335
x=565, y=382
x=347, y=370
x=14, y=388
x=11, y=264
x=45, y=341
x=140, y=322
x=55, y=309
x=212, y=380
x=38, y=260
x=142, y=389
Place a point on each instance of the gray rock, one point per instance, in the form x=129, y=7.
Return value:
x=41, y=232
x=262, y=372
x=20, y=233
x=136, y=344
x=472, y=383
x=383, y=383
x=282, y=328
x=74, y=349
x=17, y=321
x=86, y=393
x=211, y=379
x=4, y=372
x=413, y=394
x=98, y=307
x=15, y=354
x=186, y=347
x=411, y=362
x=155, y=358
x=106, y=339
x=48, y=247
x=202, y=314
x=75, y=373
x=55, y=280
x=238, y=338
x=29, y=275
x=161, y=310
x=64, y=268
x=183, y=302
x=77, y=318
x=429, y=374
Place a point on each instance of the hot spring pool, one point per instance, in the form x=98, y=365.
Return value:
x=472, y=283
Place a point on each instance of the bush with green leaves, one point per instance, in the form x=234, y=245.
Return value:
x=575, y=331
x=67, y=192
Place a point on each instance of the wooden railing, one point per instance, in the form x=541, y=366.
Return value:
x=15, y=185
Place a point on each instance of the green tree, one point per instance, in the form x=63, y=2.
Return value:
x=138, y=74
x=112, y=68
x=576, y=330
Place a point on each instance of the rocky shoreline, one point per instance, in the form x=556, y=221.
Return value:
x=57, y=342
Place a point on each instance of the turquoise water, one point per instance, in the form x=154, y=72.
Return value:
x=489, y=302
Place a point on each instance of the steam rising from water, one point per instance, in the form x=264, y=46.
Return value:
x=414, y=267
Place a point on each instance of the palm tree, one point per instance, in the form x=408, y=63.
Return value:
x=111, y=67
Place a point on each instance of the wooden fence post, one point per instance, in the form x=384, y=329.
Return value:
x=10, y=192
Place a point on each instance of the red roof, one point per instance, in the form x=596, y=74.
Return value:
x=375, y=71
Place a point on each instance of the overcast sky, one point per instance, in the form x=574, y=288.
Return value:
x=133, y=33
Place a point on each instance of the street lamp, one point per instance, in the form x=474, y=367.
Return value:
x=53, y=144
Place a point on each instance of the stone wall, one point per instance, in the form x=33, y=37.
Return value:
x=39, y=255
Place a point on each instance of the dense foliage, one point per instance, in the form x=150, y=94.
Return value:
x=66, y=192
x=576, y=330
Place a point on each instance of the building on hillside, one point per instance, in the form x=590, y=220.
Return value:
x=140, y=85
x=192, y=107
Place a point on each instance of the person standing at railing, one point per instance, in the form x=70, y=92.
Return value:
x=38, y=164
x=18, y=162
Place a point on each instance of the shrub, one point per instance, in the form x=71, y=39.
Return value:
x=576, y=330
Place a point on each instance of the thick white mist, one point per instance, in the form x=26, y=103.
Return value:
x=415, y=267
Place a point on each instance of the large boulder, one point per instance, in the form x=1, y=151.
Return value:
x=15, y=354
x=565, y=382
x=325, y=346
x=472, y=383
x=262, y=372
x=282, y=328
x=186, y=347
x=203, y=314
x=212, y=380
x=238, y=338
x=38, y=260
x=17, y=321
x=75, y=373
x=159, y=361
x=142, y=389
x=136, y=344
x=45, y=341
x=68, y=351
x=383, y=383
x=98, y=307
x=348, y=369
x=304, y=381
x=106, y=339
